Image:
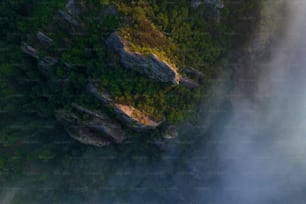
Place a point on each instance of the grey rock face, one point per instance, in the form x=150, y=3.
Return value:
x=100, y=130
x=105, y=98
x=47, y=61
x=151, y=65
x=30, y=50
x=44, y=39
x=83, y=135
x=188, y=83
x=44, y=63
x=68, y=23
x=194, y=71
x=109, y=129
x=129, y=115
x=66, y=117
x=134, y=118
x=102, y=123
x=78, y=132
x=89, y=112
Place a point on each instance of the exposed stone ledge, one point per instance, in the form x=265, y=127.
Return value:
x=129, y=115
x=188, y=83
x=104, y=124
x=84, y=136
x=77, y=132
x=44, y=39
x=27, y=49
x=150, y=65
x=86, y=131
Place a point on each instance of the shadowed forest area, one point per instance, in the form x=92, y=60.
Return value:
x=33, y=143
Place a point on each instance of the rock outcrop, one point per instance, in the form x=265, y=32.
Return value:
x=93, y=127
x=85, y=136
x=44, y=63
x=104, y=124
x=134, y=117
x=68, y=23
x=100, y=130
x=129, y=115
x=47, y=61
x=27, y=49
x=35, y=41
x=195, y=72
x=78, y=132
x=188, y=83
x=44, y=39
x=150, y=65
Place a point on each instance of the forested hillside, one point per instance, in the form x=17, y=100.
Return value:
x=192, y=39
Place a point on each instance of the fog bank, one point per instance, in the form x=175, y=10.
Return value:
x=264, y=144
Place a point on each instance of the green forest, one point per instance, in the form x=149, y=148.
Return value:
x=192, y=38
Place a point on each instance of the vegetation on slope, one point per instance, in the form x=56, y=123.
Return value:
x=28, y=100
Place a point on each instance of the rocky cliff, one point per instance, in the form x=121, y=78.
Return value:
x=129, y=115
x=99, y=130
x=59, y=47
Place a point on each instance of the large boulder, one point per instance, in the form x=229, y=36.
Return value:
x=150, y=65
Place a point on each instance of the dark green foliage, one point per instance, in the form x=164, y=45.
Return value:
x=28, y=100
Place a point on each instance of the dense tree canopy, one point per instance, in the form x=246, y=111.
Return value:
x=28, y=99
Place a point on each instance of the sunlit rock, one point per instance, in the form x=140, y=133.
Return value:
x=150, y=65
x=129, y=115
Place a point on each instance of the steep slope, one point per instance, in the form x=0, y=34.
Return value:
x=129, y=62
